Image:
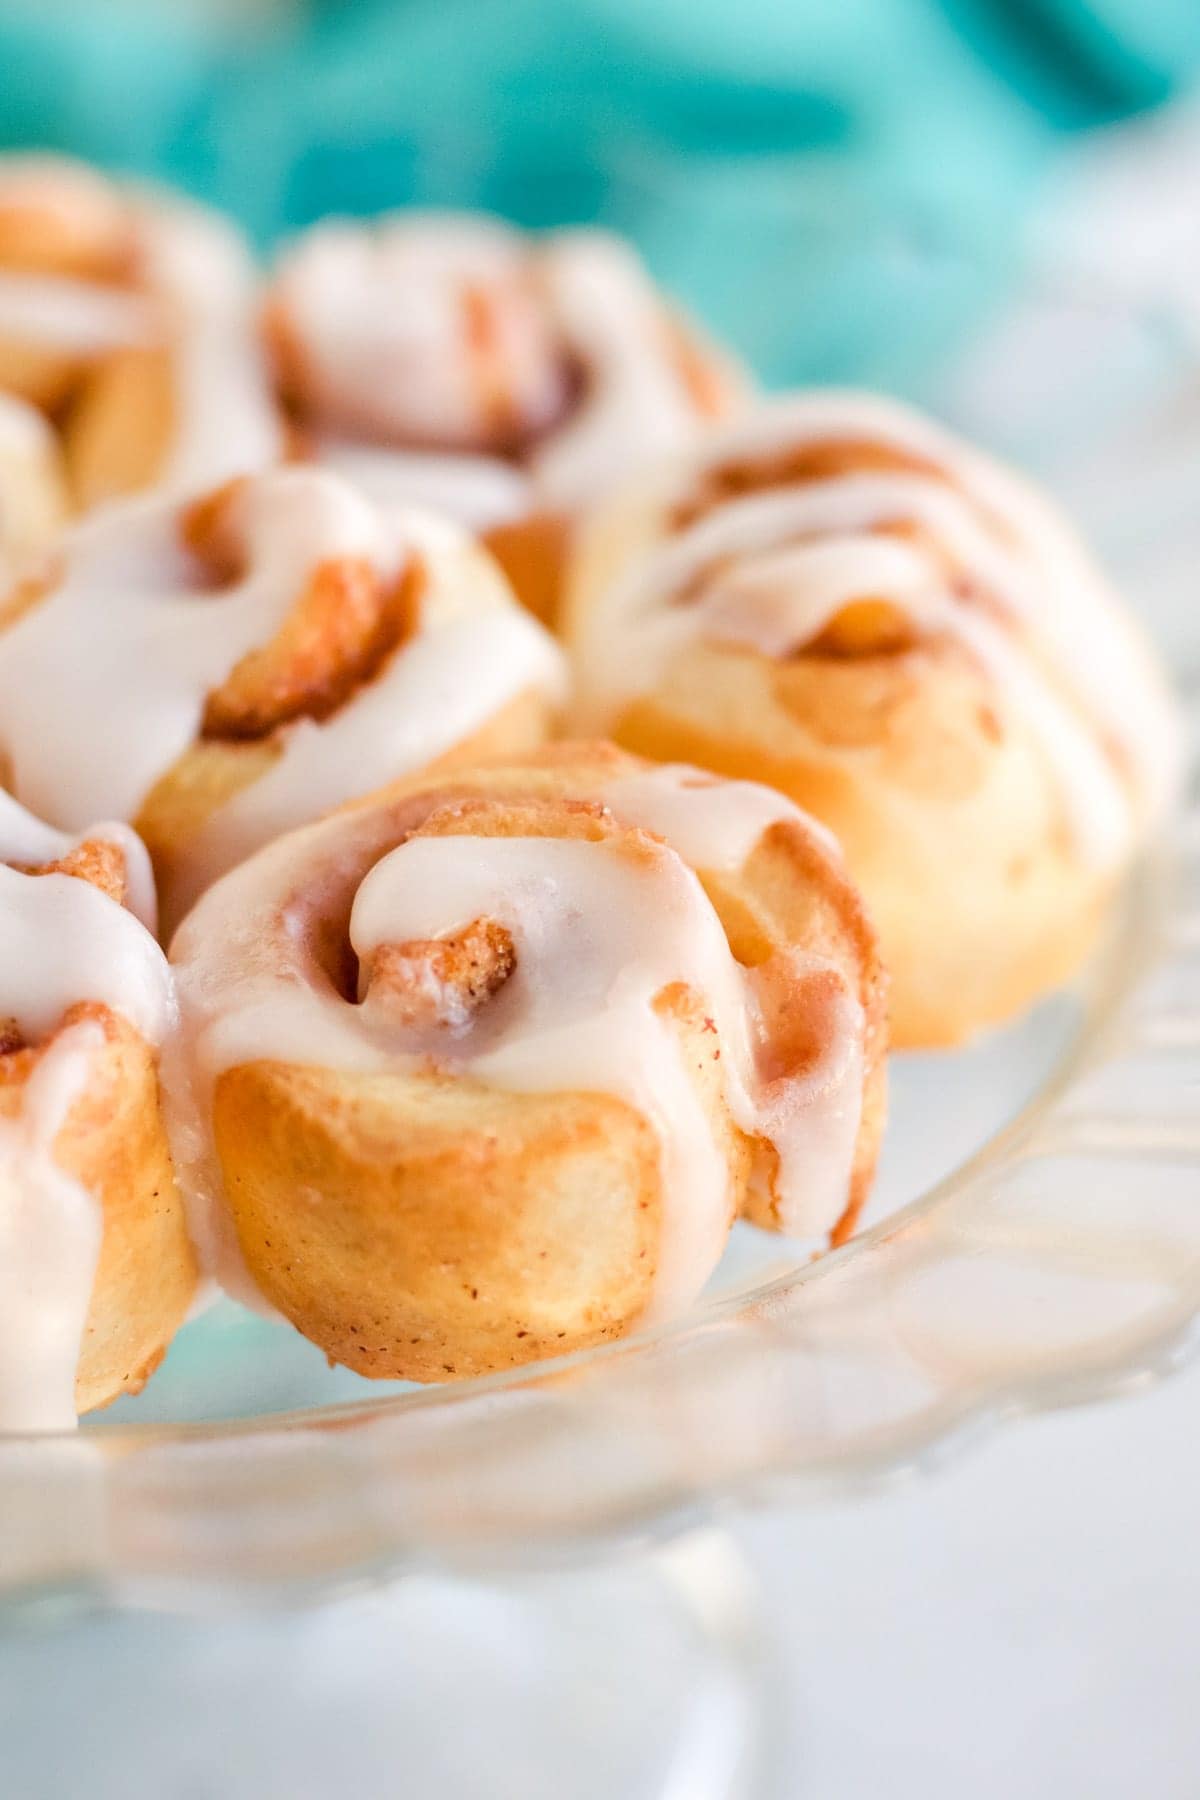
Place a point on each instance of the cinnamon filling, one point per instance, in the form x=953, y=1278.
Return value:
x=97, y=860
x=337, y=640
x=441, y=981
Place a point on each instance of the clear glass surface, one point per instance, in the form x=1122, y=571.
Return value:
x=1034, y=1238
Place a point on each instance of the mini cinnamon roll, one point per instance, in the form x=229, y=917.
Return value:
x=220, y=672
x=488, y=1065
x=128, y=318
x=506, y=379
x=32, y=491
x=96, y=1265
x=839, y=598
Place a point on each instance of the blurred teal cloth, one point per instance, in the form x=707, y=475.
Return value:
x=744, y=146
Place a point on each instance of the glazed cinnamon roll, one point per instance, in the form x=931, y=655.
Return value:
x=482, y=1069
x=128, y=318
x=839, y=598
x=32, y=490
x=96, y=1266
x=507, y=379
x=220, y=672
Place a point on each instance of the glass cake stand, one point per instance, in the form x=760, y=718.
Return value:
x=1034, y=1240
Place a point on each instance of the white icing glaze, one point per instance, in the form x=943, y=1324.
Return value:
x=28, y=840
x=62, y=942
x=635, y=403
x=714, y=825
x=381, y=321
x=79, y=318
x=103, y=685
x=599, y=934
x=50, y=1231
x=771, y=569
x=478, y=491
x=711, y=822
x=388, y=317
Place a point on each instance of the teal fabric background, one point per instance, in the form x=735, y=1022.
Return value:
x=743, y=145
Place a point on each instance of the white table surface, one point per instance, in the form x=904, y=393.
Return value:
x=1024, y=1623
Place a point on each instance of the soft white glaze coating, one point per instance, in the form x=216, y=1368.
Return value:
x=635, y=402
x=771, y=569
x=599, y=933
x=422, y=328
x=29, y=842
x=478, y=491
x=455, y=333
x=103, y=685
x=62, y=942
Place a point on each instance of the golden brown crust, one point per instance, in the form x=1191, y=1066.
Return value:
x=423, y=1225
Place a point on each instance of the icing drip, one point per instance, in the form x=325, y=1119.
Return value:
x=50, y=1230
x=88, y=734
x=770, y=570
x=813, y=1119
x=600, y=930
x=711, y=822
x=63, y=942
